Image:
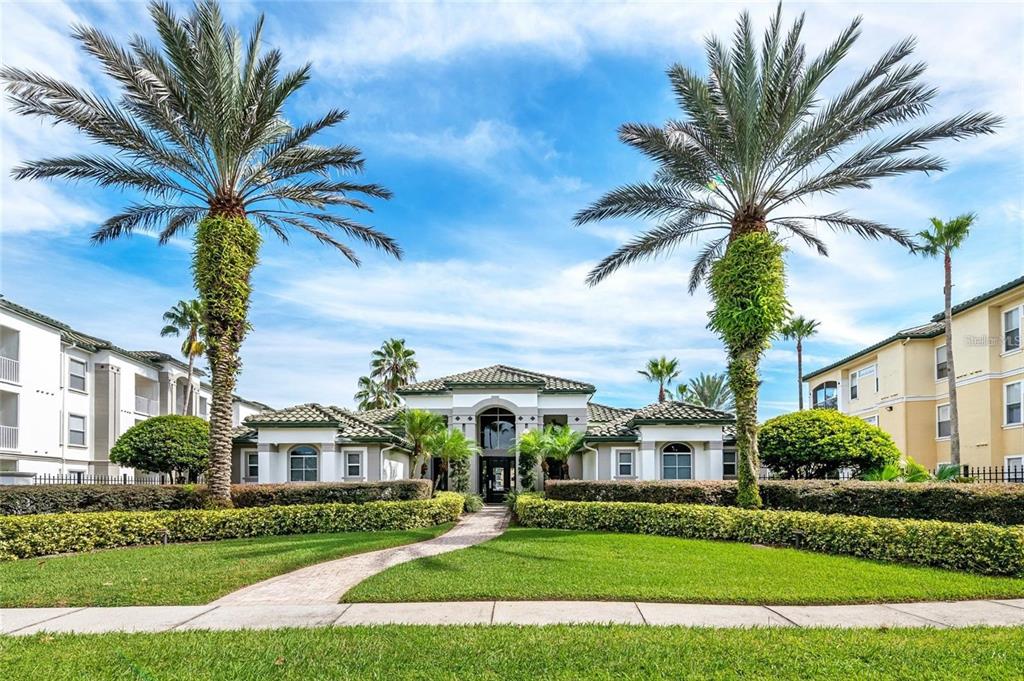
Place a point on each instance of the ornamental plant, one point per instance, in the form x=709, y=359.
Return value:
x=202, y=133
x=174, y=444
x=816, y=443
x=763, y=135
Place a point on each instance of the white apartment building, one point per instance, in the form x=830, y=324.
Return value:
x=66, y=396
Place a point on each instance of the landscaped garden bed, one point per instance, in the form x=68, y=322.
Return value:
x=529, y=653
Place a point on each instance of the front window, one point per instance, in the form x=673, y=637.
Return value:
x=624, y=462
x=824, y=396
x=1014, y=469
x=728, y=465
x=677, y=462
x=1011, y=330
x=252, y=465
x=302, y=464
x=942, y=417
x=76, y=430
x=1013, y=403
x=204, y=407
x=873, y=420
x=353, y=464
x=497, y=428
x=76, y=374
x=854, y=385
x=941, y=363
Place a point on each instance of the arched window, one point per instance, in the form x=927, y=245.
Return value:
x=303, y=462
x=497, y=428
x=676, y=462
x=824, y=395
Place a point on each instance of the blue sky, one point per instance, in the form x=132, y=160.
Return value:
x=493, y=124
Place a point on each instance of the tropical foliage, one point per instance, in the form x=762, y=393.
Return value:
x=530, y=448
x=200, y=131
x=454, y=450
x=942, y=240
x=908, y=470
x=174, y=444
x=373, y=395
x=393, y=364
x=186, y=319
x=708, y=390
x=762, y=136
x=663, y=371
x=551, y=446
x=420, y=426
x=797, y=329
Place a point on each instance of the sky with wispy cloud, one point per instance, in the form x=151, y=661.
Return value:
x=493, y=124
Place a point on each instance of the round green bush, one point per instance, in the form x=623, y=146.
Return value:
x=173, y=444
x=819, y=442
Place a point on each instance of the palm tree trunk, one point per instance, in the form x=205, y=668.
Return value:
x=661, y=391
x=800, y=372
x=744, y=384
x=954, y=420
x=191, y=364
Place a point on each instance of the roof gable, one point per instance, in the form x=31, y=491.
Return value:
x=627, y=425
x=498, y=375
x=351, y=427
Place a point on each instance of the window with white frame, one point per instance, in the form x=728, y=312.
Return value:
x=1014, y=469
x=624, y=463
x=204, y=407
x=729, y=465
x=303, y=464
x=677, y=462
x=76, y=430
x=854, y=385
x=941, y=363
x=1011, y=330
x=354, y=464
x=1012, y=410
x=825, y=395
x=873, y=420
x=76, y=374
x=942, y=428
x=252, y=465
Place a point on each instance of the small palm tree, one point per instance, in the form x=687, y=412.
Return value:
x=200, y=131
x=563, y=442
x=708, y=390
x=393, y=364
x=529, y=448
x=799, y=328
x=186, y=317
x=942, y=240
x=454, y=449
x=371, y=395
x=759, y=139
x=420, y=425
x=663, y=371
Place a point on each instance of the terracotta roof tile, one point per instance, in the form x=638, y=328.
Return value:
x=498, y=375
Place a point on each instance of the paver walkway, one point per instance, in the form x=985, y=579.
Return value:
x=21, y=621
x=325, y=583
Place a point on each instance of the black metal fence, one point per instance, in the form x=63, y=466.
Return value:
x=973, y=473
x=83, y=479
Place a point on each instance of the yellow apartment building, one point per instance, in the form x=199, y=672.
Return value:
x=901, y=384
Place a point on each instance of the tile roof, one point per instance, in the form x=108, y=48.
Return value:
x=981, y=298
x=602, y=412
x=499, y=375
x=626, y=426
x=381, y=417
x=350, y=425
x=244, y=434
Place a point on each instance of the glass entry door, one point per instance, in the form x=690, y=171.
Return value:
x=496, y=477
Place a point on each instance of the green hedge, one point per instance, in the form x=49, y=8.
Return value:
x=1001, y=504
x=40, y=535
x=974, y=547
x=32, y=499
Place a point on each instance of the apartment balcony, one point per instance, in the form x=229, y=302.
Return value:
x=10, y=369
x=9, y=438
x=146, y=405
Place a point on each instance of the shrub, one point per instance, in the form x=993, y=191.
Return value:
x=173, y=444
x=981, y=548
x=473, y=503
x=40, y=535
x=32, y=499
x=1001, y=504
x=819, y=442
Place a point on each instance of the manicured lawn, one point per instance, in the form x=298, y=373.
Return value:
x=179, y=574
x=591, y=652
x=529, y=564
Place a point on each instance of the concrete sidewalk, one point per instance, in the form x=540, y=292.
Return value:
x=20, y=621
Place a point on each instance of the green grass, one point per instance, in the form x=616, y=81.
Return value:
x=179, y=574
x=529, y=564
x=591, y=652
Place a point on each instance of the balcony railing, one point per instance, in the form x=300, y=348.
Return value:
x=9, y=437
x=10, y=369
x=145, y=405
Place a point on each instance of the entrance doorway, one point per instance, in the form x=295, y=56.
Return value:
x=496, y=477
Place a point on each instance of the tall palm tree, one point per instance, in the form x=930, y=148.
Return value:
x=799, y=328
x=186, y=317
x=393, y=364
x=943, y=239
x=661, y=370
x=759, y=140
x=372, y=395
x=708, y=390
x=200, y=131
x=420, y=425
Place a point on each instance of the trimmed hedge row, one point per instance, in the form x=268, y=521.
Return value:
x=1001, y=504
x=41, y=535
x=975, y=547
x=33, y=499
